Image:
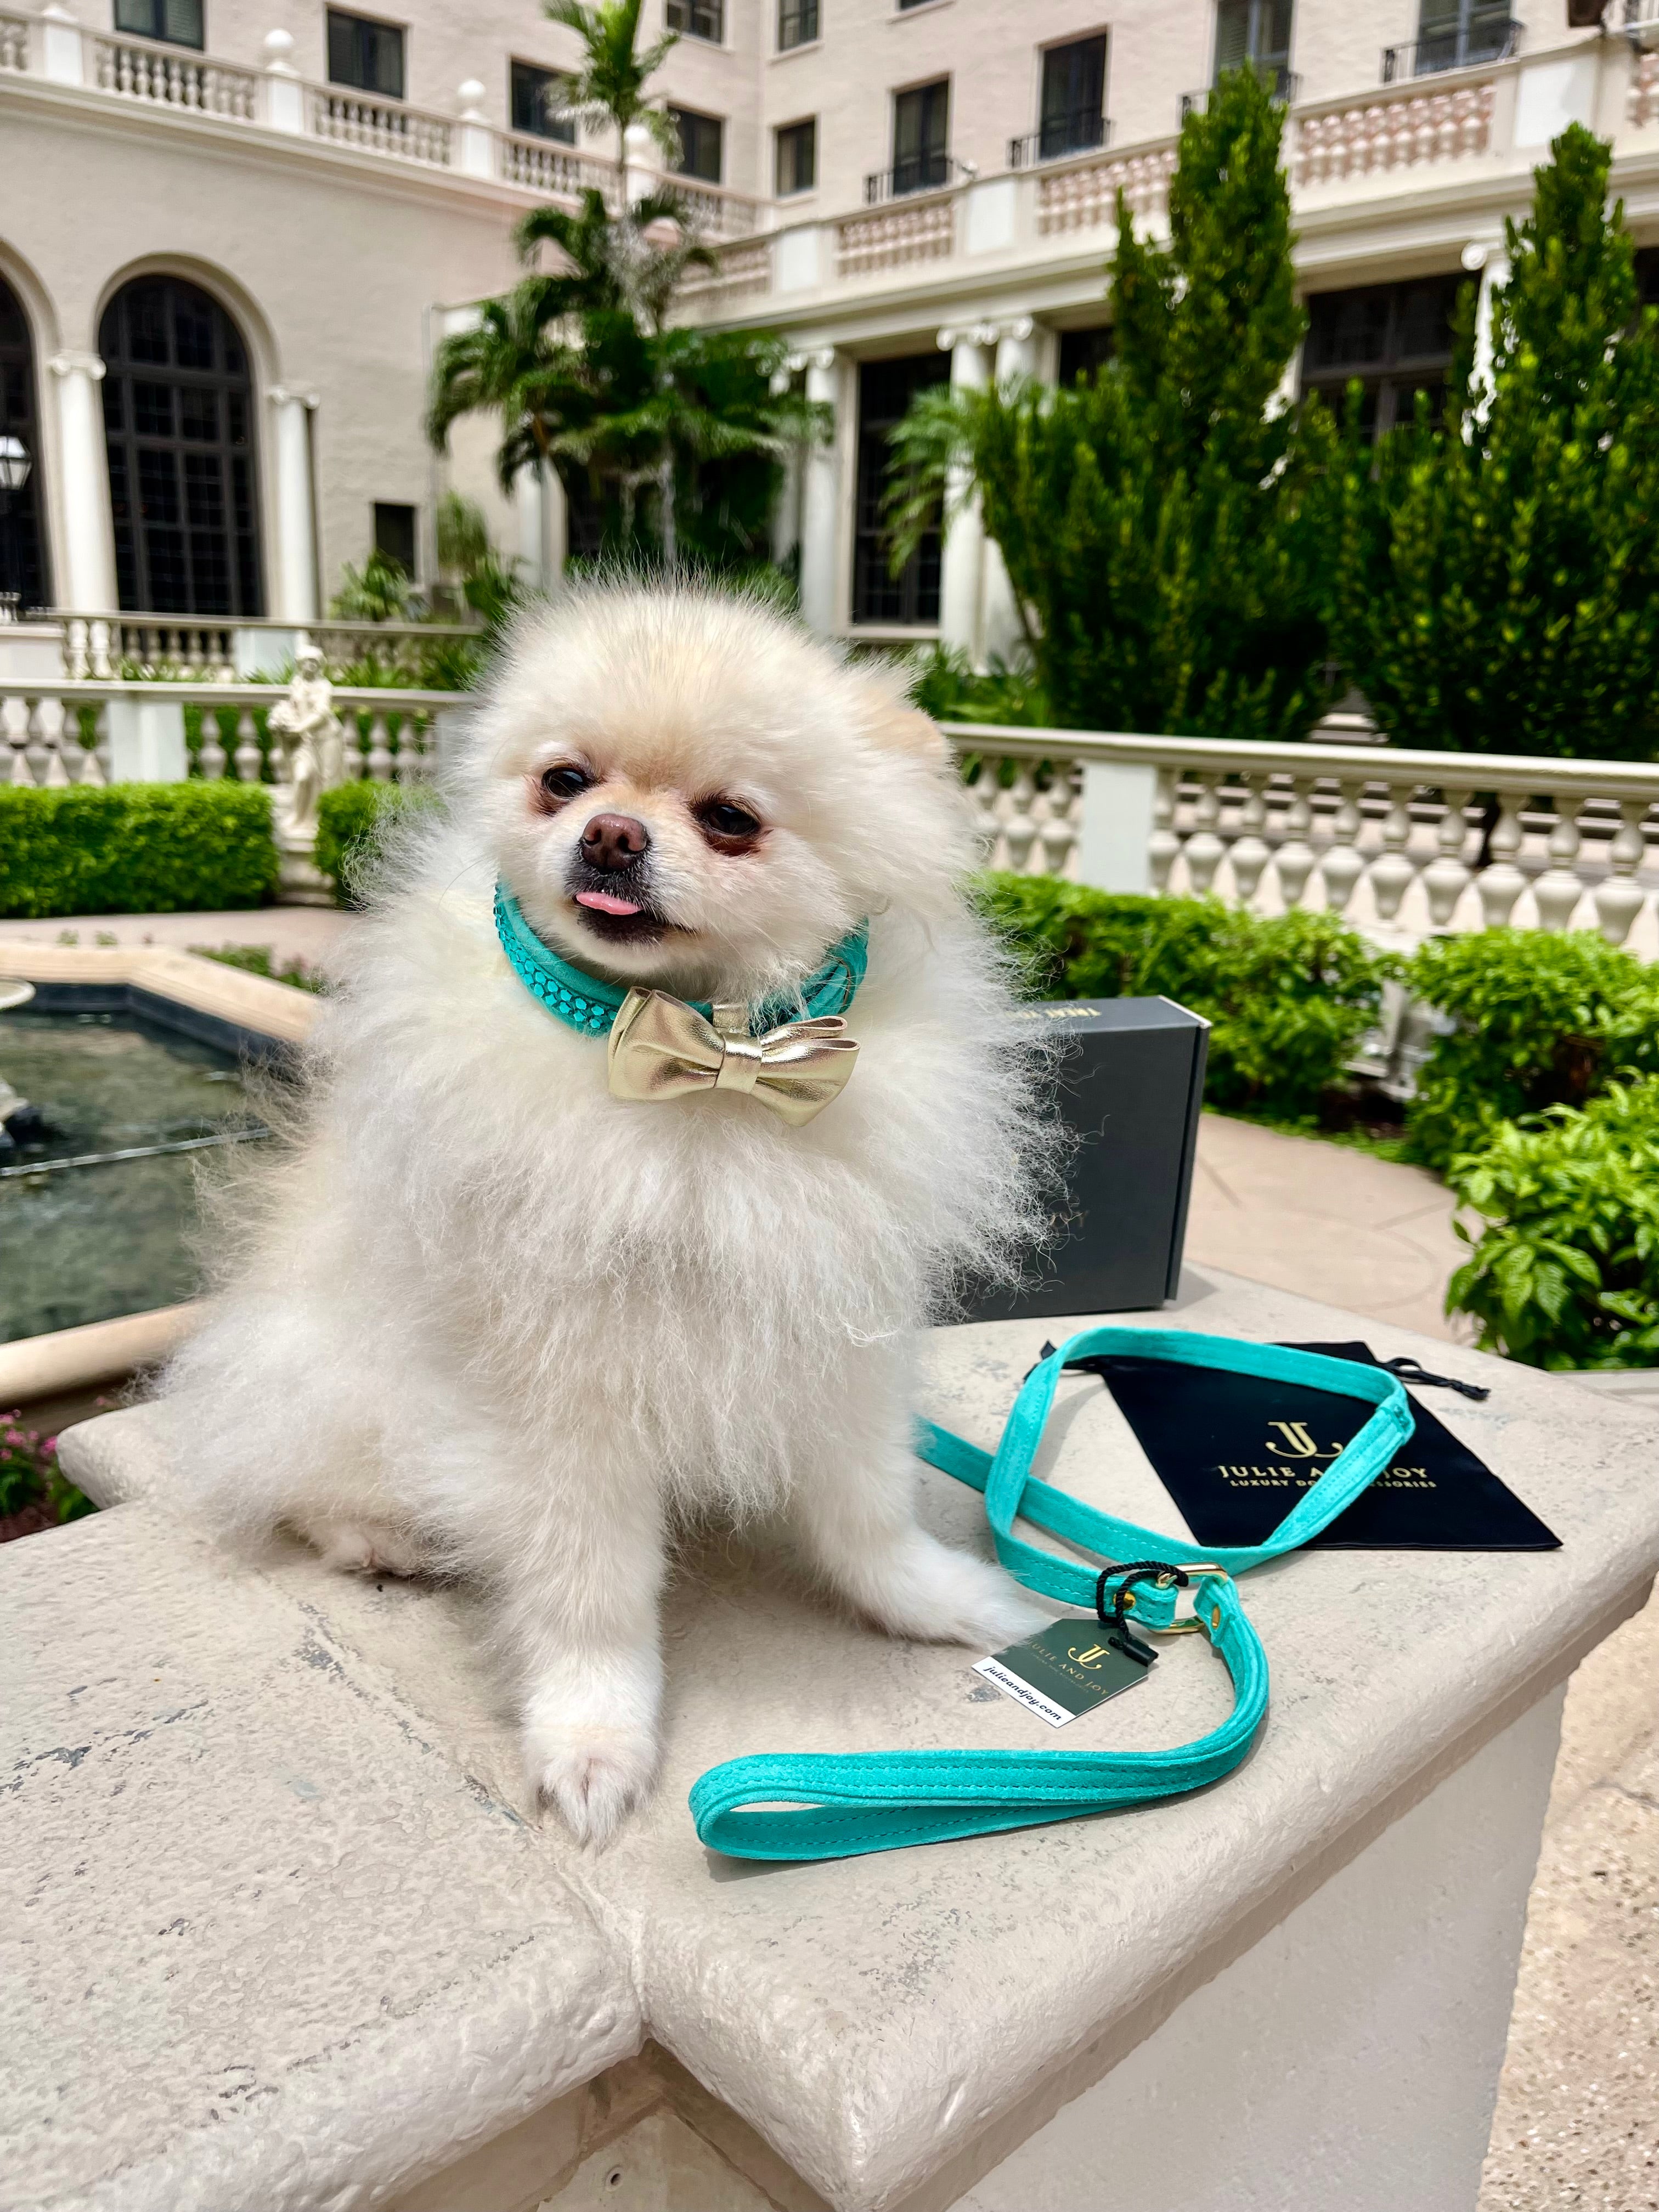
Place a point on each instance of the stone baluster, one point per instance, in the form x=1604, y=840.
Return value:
x=1445, y=876
x=1019, y=824
x=51, y=721
x=1558, y=890
x=210, y=758
x=1619, y=900
x=1343, y=866
x=1204, y=850
x=39, y=751
x=15, y=727
x=98, y=766
x=1392, y=872
x=1294, y=861
x=98, y=644
x=1501, y=883
x=379, y=755
x=246, y=756
x=1057, y=831
x=1250, y=853
x=76, y=656
x=1163, y=844
x=983, y=793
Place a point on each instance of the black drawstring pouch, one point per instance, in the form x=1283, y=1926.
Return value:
x=1234, y=1452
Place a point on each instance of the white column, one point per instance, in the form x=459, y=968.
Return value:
x=820, y=525
x=284, y=106
x=1018, y=350
x=474, y=152
x=962, y=581
x=294, y=598
x=540, y=506
x=88, y=537
x=1493, y=263
x=61, y=52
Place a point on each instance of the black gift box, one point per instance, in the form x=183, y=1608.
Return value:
x=1129, y=1084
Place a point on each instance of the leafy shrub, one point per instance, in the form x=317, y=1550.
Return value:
x=1288, y=997
x=945, y=684
x=30, y=1475
x=349, y=821
x=1566, y=1273
x=135, y=848
x=1539, y=1020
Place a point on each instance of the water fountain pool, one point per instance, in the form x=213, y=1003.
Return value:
x=86, y=1242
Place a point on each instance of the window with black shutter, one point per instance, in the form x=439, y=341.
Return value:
x=922, y=133
x=885, y=391
x=365, y=53
x=1074, y=98
x=533, y=94
x=176, y=22
x=700, y=144
x=1395, y=340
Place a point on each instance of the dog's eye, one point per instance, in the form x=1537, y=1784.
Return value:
x=727, y=822
x=565, y=781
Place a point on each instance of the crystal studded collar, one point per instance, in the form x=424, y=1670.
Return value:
x=586, y=1003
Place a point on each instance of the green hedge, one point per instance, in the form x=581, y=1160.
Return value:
x=1289, y=996
x=135, y=848
x=1537, y=1020
x=349, y=821
x=1565, y=1271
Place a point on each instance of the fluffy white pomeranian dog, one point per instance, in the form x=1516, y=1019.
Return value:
x=490, y=1320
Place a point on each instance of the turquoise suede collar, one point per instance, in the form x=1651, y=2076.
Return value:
x=586, y=1003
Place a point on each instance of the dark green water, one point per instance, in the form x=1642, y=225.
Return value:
x=88, y=1244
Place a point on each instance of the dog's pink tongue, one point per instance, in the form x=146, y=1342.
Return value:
x=603, y=903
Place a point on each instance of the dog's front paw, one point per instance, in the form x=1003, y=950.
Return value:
x=939, y=1595
x=592, y=1774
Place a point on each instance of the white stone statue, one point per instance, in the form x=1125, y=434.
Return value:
x=312, y=745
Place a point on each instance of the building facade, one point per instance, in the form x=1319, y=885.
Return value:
x=230, y=239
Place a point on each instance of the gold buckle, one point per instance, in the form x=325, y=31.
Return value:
x=1190, y=1624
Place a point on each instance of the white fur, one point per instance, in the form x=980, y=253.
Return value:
x=493, y=1321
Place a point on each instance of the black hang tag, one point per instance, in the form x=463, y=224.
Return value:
x=1237, y=1451
x=1067, y=1670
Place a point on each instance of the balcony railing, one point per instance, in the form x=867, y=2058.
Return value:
x=916, y=173
x=1286, y=88
x=1471, y=45
x=1083, y=132
x=1402, y=842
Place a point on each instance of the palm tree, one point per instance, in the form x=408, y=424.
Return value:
x=585, y=377
x=608, y=89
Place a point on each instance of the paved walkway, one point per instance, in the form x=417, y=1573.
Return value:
x=293, y=932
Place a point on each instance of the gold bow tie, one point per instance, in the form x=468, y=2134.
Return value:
x=660, y=1047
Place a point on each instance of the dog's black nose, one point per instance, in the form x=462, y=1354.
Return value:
x=612, y=842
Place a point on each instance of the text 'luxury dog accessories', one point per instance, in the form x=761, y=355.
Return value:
x=835, y=1805
x=664, y=1048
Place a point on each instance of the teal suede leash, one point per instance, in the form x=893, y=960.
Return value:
x=589, y=1004
x=838, y=1805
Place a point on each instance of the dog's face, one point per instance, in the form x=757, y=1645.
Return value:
x=686, y=790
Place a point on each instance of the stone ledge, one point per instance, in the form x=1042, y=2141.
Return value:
x=884, y=2023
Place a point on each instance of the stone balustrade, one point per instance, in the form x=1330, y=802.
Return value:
x=1399, y=129
x=1081, y=195
x=169, y=76
x=14, y=41
x=53, y=736
x=919, y=229
x=1402, y=842
x=381, y=127
x=108, y=647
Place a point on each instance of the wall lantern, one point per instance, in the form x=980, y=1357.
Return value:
x=15, y=463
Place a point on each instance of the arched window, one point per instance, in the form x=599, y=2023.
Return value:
x=22, y=551
x=179, y=423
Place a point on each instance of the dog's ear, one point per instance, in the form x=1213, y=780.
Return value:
x=895, y=724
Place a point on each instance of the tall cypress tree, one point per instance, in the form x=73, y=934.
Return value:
x=1498, y=584
x=1163, y=528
